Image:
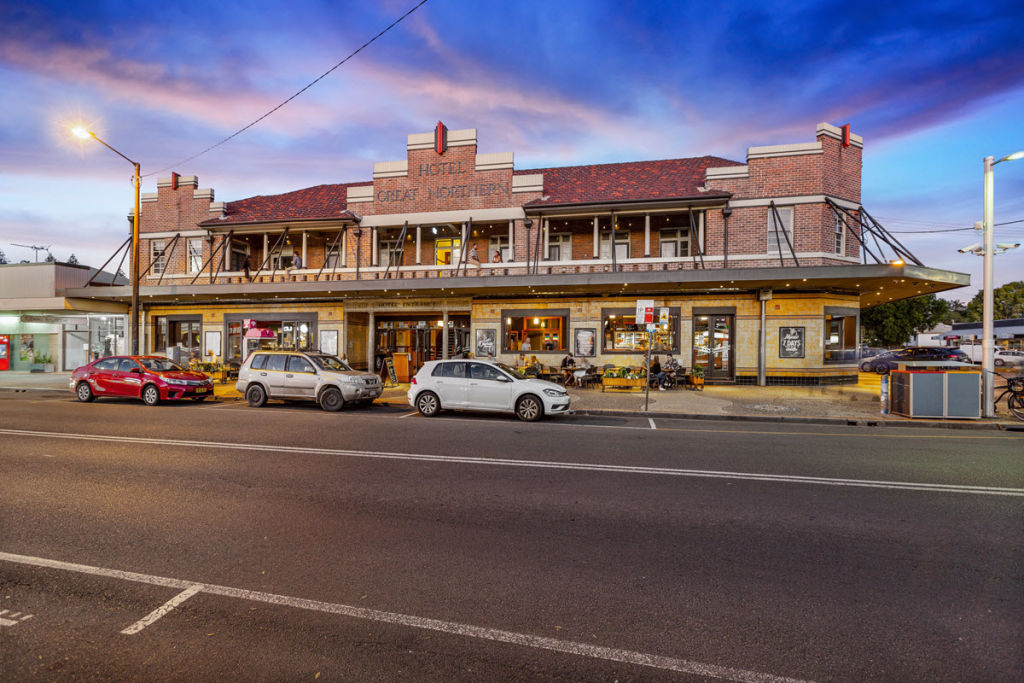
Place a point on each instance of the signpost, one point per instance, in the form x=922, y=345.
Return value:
x=645, y=316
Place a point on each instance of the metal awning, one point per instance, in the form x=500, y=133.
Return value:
x=874, y=283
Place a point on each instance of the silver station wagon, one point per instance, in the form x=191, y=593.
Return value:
x=301, y=375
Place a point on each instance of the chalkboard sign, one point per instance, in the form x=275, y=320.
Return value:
x=791, y=342
x=392, y=377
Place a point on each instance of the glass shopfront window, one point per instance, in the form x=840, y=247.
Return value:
x=252, y=332
x=623, y=335
x=535, y=331
x=840, y=335
x=177, y=337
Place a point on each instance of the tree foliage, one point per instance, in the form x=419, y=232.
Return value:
x=894, y=324
x=1008, y=302
x=72, y=260
x=3, y=257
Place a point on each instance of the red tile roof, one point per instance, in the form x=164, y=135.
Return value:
x=594, y=184
x=628, y=181
x=313, y=203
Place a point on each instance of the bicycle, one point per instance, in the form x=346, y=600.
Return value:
x=1015, y=400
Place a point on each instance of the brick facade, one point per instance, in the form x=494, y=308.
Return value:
x=460, y=181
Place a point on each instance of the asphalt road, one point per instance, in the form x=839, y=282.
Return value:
x=217, y=541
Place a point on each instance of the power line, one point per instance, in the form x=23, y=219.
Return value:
x=907, y=232
x=307, y=87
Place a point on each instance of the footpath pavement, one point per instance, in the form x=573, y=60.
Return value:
x=847, y=404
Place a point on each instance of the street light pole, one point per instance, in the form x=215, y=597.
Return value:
x=83, y=133
x=988, y=309
x=987, y=343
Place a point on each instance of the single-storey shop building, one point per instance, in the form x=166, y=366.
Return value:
x=757, y=271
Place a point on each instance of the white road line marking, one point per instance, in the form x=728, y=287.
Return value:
x=651, y=420
x=544, y=464
x=13, y=619
x=409, y=414
x=425, y=623
x=162, y=610
x=850, y=431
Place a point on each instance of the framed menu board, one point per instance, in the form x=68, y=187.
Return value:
x=585, y=338
x=486, y=342
x=791, y=342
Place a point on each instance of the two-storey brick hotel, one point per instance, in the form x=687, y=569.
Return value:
x=756, y=270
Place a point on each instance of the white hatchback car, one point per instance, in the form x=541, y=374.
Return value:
x=484, y=385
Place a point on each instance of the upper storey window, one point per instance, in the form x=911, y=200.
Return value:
x=780, y=235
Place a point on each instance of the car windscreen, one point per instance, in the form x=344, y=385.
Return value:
x=332, y=363
x=159, y=364
x=512, y=371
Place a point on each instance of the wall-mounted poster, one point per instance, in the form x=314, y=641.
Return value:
x=27, y=350
x=212, y=347
x=329, y=341
x=585, y=341
x=791, y=342
x=486, y=342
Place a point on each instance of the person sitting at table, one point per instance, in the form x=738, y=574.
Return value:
x=521, y=363
x=671, y=367
x=580, y=373
x=567, y=368
x=526, y=346
x=655, y=374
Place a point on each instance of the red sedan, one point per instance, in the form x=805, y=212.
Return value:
x=151, y=378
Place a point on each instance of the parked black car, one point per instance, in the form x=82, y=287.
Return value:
x=868, y=360
x=883, y=363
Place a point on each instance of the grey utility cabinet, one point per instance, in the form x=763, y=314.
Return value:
x=935, y=389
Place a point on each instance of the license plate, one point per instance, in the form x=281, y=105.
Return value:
x=201, y=390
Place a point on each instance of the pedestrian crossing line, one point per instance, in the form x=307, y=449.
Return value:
x=588, y=650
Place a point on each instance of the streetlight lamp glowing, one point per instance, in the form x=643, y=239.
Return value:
x=81, y=132
x=1013, y=157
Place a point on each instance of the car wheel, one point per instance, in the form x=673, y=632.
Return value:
x=150, y=395
x=529, y=408
x=427, y=404
x=1000, y=362
x=882, y=369
x=865, y=367
x=84, y=392
x=256, y=396
x=331, y=400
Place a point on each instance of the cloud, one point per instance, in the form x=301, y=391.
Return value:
x=156, y=87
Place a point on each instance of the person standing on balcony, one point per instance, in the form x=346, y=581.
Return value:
x=296, y=261
x=474, y=256
x=497, y=256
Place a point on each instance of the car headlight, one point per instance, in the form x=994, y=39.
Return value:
x=555, y=393
x=171, y=380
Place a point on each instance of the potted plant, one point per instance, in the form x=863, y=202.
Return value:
x=697, y=377
x=41, y=362
x=626, y=379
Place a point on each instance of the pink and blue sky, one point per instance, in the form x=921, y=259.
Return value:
x=933, y=87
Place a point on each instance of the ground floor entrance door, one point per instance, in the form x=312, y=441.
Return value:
x=713, y=345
